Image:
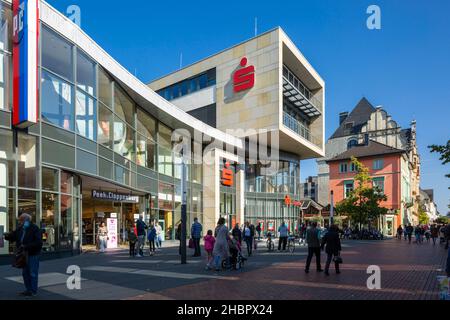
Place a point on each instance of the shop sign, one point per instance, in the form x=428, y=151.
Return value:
x=111, y=196
x=25, y=62
x=111, y=225
x=227, y=176
x=244, y=78
x=289, y=202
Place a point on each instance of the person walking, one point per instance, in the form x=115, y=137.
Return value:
x=333, y=248
x=132, y=240
x=399, y=232
x=417, y=234
x=28, y=239
x=221, y=249
x=209, y=247
x=102, y=237
x=140, y=229
x=313, y=241
x=151, y=236
x=258, y=230
x=248, y=238
x=178, y=236
x=434, y=233
x=283, y=233
x=409, y=231
x=159, y=233
x=237, y=233
x=196, y=234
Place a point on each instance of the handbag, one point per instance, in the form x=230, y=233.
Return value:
x=20, y=259
x=191, y=244
x=338, y=259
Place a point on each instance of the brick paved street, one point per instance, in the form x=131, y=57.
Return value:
x=407, y=272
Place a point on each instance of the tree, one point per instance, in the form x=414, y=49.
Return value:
x=442, y=220
x=363, y=203
x=423, y=216
x=444, y=151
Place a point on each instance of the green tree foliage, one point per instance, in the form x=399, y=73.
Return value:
x=444, y=151
x=423, y=217
x=363, y=203
x=442, y=220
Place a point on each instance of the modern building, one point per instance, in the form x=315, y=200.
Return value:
x=309, y=188
x=264, y=91
x=366, y=123
x=83, y=141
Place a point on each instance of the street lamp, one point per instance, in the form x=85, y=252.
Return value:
x=332, y=208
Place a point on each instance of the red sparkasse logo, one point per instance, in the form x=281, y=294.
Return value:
x=244, y=78
x=227, y=175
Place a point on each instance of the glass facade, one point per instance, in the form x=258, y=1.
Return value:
x=265, y=195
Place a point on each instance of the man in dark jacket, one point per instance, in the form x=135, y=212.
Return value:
x=409, y=231
x=333, y=247
x=313, y=241
x=237, y=233
x=140, y=228
x=29, y=239
x=196, y=234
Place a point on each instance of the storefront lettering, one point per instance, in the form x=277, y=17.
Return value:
x=244, y=78
x=111, y=196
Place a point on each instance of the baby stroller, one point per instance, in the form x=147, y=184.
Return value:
x=236, y=259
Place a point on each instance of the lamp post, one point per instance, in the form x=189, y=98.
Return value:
x=332, y=208
x=183, y=208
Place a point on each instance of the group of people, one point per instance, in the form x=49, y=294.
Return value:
x=425, y=232
x=365, y=234
x=137, y=235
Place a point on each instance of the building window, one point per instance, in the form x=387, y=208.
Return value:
x=104, y=88
x=86, y=74
x=123, y=106
x=86, y=114
x=343, y=167
x=378, y=164
x=57, y=54
x=165, y=158
x=348, y=188
x=352, y=143
x=353, y=167
x=378, y=184
x=57, y=101
x=105, y=116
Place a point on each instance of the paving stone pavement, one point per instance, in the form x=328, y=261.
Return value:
x=407, y=272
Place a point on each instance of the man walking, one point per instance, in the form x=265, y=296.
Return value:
x=434, y=233
x=283, y=231
x=237, y=233
x=140, y=228
x=248, y=237
x=409, y=230
x=258, y=229
x=313, y=241
x=196, y=233
x=159, y=232
x=28, y=239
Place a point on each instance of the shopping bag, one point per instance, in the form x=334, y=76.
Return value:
x=191, y=244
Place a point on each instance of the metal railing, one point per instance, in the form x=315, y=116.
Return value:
x=299, y=128
x=293, y=80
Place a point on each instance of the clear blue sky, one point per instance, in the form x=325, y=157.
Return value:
x=404, y=67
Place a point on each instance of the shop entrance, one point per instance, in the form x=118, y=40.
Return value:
x=107, y=203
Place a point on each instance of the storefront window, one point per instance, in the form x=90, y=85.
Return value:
x=49, y=179
x=166, y=196
x=146, y=125
x=27, y=161
x=66, y=182
x=65, y=225
x=56, y=101
x=57, y=54
x=123, y=106
x=104, y=135
x=85, y=73
x=5, y=80
x=7, y=215
x=86, y=113
x=27, y=202
x=50, y=213
x=145, y=152
x=165, y=159
x=123, y=139
x=104, y=88
x=7, y=163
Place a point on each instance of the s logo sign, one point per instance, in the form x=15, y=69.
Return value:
x=244, y=78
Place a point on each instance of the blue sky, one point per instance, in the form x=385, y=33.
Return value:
x=404, y=67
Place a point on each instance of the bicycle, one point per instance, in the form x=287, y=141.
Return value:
x=270, y=243
x=291, y=243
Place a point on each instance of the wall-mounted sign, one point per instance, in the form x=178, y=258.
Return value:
x=289, y=202
x=25, y=62
x=113, y=215
x=227, y=175
x=111, y=196
x=244, y=78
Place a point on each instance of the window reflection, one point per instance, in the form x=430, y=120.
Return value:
x=123, y=106
x=85, y=116
x=50, y=213
x=105, y=88
x=123, y=139
x=85, y=73
x=27, y=161
x=104, y=135
x=56, y=54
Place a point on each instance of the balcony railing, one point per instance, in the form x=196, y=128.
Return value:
x=299, y=95
x=298, y=127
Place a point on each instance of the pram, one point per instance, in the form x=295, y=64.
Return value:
x=236, y=259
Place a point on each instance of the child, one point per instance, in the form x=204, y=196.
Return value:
x=151, y=239
x=209, y=247
x=132, y=239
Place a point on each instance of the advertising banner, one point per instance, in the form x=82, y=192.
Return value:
x=111, y=224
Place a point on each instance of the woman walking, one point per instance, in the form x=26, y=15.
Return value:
x=333, y=248
x=221, y=249
x=102, y=237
